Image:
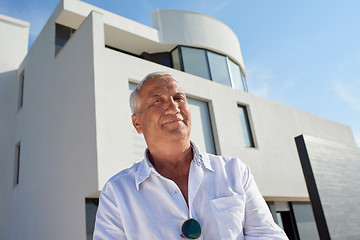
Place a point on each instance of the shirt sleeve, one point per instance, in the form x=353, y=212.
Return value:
x=259, y=223
x=108, y=224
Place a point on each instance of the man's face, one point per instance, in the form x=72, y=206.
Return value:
x=164, y=113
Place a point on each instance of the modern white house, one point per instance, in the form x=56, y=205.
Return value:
x=65, y=120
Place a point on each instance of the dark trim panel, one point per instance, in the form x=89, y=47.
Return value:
x=319, y=215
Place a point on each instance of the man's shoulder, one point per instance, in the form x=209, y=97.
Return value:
x=125, y=174
x=225, y=160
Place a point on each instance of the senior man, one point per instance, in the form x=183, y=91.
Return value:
x=177, y=191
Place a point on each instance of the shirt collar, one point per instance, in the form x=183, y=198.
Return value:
x=144, y=170
x=146, y=167
x=200, y=158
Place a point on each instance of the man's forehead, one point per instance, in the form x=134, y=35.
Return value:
x=158, y=85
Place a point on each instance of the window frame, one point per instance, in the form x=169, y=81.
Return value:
x=212, y=69
x=206, y=59
x=21, y=89
x=17, y=160
x=249, y=126
x=69, y=34
x=90, y=218
x=242, y=78
x=210, y=113
x=181, y=61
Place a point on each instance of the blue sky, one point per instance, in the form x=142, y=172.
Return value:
x=305, y=54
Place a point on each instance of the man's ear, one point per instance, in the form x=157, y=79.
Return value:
x=136, y=123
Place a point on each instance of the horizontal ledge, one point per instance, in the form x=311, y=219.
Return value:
x=286, y=199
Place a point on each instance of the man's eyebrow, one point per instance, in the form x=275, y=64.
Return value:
x=159, y=94
x=156, y=95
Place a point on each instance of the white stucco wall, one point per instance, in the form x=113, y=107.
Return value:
x=171, y=27
x=56, y=127
x=13, y=42
x=13, y=48
x=197, y=30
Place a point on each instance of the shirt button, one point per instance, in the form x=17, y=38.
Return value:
x=176, y=191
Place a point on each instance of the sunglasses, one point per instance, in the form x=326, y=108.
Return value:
x=191, y=229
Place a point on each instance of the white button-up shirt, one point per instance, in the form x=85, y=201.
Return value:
x=138, y=203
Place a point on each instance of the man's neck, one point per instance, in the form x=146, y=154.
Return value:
x=171, y=158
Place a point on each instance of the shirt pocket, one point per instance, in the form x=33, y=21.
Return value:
x=229, y=213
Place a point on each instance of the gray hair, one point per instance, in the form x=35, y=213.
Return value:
x=134, y=97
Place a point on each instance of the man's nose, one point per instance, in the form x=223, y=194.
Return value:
x=172, y=107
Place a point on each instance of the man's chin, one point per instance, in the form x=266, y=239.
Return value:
x=175, y=125
x=178, y=133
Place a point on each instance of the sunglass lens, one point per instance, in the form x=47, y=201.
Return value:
x=191, y=229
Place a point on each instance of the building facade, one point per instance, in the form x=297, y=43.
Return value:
x=66, y=125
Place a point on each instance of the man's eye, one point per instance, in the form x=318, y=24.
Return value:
x=179, y=98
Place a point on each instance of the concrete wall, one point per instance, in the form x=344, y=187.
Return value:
x=198, y=30
x=13, y=47
x=275, y=158
x=13, y=42
x=56, y=127
x=335, y=168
